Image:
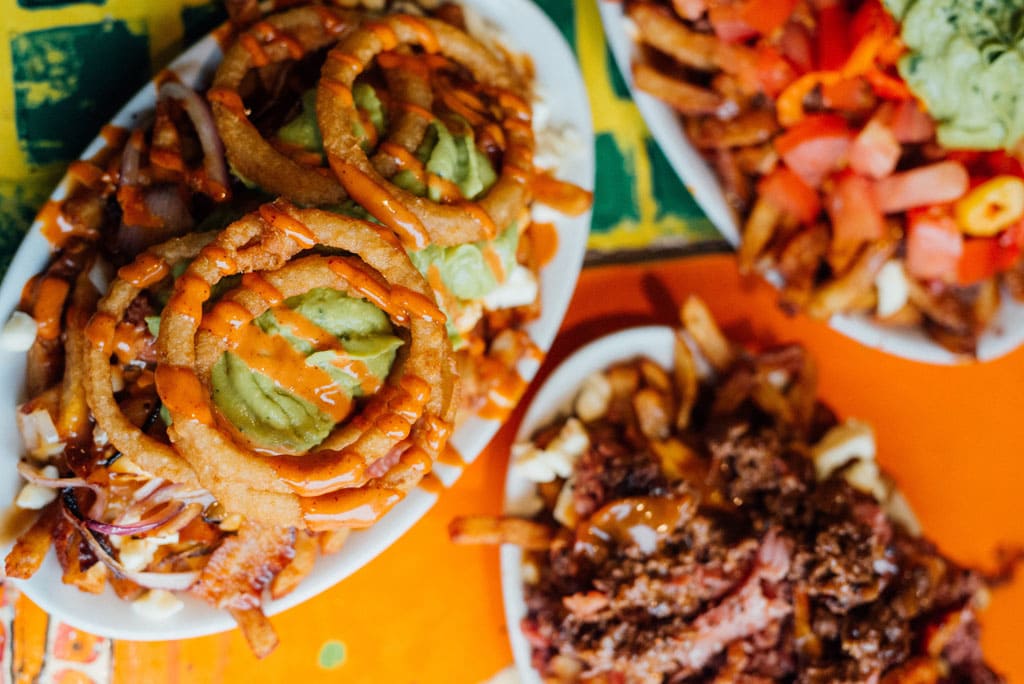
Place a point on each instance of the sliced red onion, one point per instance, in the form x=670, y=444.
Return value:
x=188, y=513
x=170, y=581
x=36, y=477
x=146, y=490
x=164, y=515
x=206, y=129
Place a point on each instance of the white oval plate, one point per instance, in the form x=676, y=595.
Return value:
x=525, y=29
x=554, y=399
x=1006, y=331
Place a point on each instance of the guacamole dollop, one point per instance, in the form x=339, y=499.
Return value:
x=273, y=417
x=304, y=131
x=965, y=61
x=454, y=157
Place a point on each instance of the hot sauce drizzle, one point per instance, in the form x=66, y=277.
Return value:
x=147, y=269
x=183, y=394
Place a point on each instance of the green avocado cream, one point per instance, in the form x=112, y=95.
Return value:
x=277, y=419
x=304, y=131
x=965, y=61
x=455, y=158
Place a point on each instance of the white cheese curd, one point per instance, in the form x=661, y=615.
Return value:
x=157, y=604
x=18, y=333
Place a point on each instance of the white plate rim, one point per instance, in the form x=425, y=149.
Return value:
x=1006, y=332
x=553, y=399
x=525, y=28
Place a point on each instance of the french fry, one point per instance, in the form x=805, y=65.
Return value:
x=754, y=127
x=306, y=546
x=844, y=291
x=32, y=546
x=686, y=380
x=680, y=95
x=256, y=628
x=526, y=534
x=757, y=233
x=331, y=541
x=654, y=413
x=698, y=321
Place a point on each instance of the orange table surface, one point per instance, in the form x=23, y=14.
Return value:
x=428, y=611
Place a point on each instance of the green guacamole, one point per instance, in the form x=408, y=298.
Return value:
x=965, y=61
x=273, y=417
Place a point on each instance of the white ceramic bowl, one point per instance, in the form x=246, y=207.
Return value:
x=1006, y=331
x=554, y=399
x=525, y=29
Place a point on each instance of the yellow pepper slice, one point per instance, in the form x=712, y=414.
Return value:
x=991, y=207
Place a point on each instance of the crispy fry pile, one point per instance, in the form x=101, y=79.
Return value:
x=832, y=165
x=714, y=522
x=271, y=302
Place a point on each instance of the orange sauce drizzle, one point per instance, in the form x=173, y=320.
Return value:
x=368, y=287
x=416, y=109
x=404, y=300
x=565, y=197
x=445, y=190
x=320, y=473
x=544, y=241
x=517, y=173
x=450, y=456
x=147, y=269
x=88, y=174
x=384, y=33
x=340, y=90
x=259, y=285
x=275, y=358
x=221, y=258
x=368, y=128
x=100, y=330
x=54, y=225
x=228, y=98
x=346, y=60
x=480, y=216
x=432, y=483
x=291, y=227
x=494, y=262
x=425, y=36
x=114, y=135
x=502, y=396
x=255, y=50
x=354, y=508
x=125, y=337
x=189, y=294
x=269, y=34
x=448, y=97
x=330, y=20
x=367, y=192
x=225, y=319
x=50, y=297
x=182, y=393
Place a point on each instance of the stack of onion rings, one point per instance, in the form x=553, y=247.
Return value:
x=417, y=220
x=279, y=38
x=400, y=431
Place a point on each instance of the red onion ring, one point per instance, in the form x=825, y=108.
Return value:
x=170, y=581
x=206, y=128
x=163, y=516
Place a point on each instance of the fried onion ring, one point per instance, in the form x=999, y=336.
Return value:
x=368, y=463
x=151, y=267
x=417, y=220
x=280, y=37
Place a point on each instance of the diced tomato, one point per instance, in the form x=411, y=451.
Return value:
x=934, y=244
x=815, y=146
x=937, y=183
x=748, y=18
x=832, y=35
x=790, y=194
x=910, y=123
x=875, y=151
x=853, y=210
x=795, y=44
x=774, y=73
x=982, y=259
